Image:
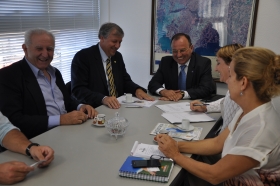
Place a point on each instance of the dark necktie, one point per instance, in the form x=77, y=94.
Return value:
x=182, y=78
x=112, y=88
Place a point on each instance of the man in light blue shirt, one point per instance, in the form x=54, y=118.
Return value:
x=12, y=139
x=32, y=92
x=5, y=127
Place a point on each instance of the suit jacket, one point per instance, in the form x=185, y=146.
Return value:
x=88, y=77
x=22, y=101
x=199, y=83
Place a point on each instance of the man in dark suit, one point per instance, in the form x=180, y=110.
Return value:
x=185, y=74
x=98, y=73
x=32, y=92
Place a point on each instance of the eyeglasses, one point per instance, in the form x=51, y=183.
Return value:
x=181, y=50
x=158, y=157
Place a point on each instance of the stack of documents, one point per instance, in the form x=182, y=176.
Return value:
x=175, y=112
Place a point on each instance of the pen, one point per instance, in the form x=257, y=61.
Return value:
x=133, y=106
x=200, y=104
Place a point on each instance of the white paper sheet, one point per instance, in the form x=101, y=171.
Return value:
x=175, y=107
x=176, y=117
x=136, y=102
x=145, y=150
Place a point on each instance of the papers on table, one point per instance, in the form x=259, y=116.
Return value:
x=174, y=132
x=176, y=117
x=145, y=150
x=136, y=102
x=175, y=107
x=175, y=112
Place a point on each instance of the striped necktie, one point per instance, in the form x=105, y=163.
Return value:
x=112, y=88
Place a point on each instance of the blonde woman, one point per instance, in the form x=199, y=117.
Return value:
x=250, y=145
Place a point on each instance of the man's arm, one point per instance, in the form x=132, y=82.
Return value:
x=14, y=171
x=202, y=81
x=16, y=141
x=157, y=80
x=80, y=79
x=22, y=102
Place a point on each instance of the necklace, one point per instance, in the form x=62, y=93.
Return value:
x=238, y=121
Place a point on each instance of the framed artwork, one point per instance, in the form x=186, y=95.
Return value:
x=210, y=24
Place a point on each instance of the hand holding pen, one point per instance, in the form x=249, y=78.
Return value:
x=198, y=106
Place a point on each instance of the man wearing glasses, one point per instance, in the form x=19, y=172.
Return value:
x=185, y=74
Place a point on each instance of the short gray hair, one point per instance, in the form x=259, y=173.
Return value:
x=106, y=29
x=36, y=31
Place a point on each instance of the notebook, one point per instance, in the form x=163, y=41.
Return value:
x=162, y=175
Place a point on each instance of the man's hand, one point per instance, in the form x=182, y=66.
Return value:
x=72, y=118
x=197, y=108
x=42, y=153
x=111, y=102
x=170, y=95
x=13, y=172
x=140, y=94
x=89, y=110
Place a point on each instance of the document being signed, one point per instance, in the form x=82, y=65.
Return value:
x=175, y=107
x=136, y=102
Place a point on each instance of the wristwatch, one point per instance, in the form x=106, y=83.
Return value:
x=27, y=150
x=182, y=93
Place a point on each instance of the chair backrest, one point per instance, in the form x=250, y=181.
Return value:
x=214, y=96
x=215, y=129
x=214, y=85
x=181, y=176
x=68, y=87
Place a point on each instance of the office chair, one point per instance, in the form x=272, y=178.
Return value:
x=182, y=176
x=68, y=87
x=214, y=96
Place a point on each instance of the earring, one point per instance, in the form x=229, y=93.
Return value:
x=241, y=93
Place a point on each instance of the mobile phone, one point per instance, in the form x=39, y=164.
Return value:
x=146, y=163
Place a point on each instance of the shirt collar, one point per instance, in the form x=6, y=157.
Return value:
x=102, y=53
x=36, y=71
x=187, y=63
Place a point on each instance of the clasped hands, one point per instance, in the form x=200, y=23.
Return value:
x=78, y=116
x=170, y=95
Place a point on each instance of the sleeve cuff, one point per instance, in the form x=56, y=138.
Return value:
x=158, y=90
x=186, y=95
x=54, y=121
x=79, y=106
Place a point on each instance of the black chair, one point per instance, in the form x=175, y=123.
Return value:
x=182, y=176
x=68, y=87
x=214, y=85
x=2, y=149
x=214, y=96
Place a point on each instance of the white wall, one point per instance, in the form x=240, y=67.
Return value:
x=134, y=16
x=268, y=25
